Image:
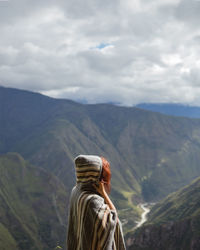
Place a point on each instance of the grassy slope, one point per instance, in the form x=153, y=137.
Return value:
x=173, y=223
x=6, y=239
x=161, y=152
x=32, y=206
x=182, y=204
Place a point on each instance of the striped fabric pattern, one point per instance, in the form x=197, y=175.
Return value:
x=91, y=225
x=88, y=168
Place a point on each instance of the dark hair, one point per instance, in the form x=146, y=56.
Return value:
x=106, y=174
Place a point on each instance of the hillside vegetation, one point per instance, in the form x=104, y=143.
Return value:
x=32, y=206
x=151, y=154
x=173, y=223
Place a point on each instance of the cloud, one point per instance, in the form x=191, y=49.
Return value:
x=125, y=52
x=188, y=12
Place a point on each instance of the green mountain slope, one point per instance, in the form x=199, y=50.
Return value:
x=151, y=154
x=173, y=223
x=179, y=205
x=32, y=206
x=162, y=152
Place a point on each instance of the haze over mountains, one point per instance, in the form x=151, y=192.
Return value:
x=151, y=156
x=172, y=109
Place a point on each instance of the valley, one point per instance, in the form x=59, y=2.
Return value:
x=173, y=223
x=151, y=156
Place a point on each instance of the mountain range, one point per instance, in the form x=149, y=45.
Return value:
x=172, y=109
x=151, y=154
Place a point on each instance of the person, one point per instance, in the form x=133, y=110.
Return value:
x=93, y=223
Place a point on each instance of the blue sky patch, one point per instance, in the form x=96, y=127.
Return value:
x=103, y=45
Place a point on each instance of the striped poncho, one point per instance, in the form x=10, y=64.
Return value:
x=91, y=225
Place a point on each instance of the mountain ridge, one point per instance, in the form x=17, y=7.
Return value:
x=151, y=154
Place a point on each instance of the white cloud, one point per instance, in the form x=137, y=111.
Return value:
x=103, y=51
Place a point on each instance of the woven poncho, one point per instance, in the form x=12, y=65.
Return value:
x=91, y=225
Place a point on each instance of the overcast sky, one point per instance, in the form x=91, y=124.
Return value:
x=121, y=51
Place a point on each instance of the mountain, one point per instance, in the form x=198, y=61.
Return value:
x=172, y=109
x=151, y=154
x=173, y=223
x=32, y=206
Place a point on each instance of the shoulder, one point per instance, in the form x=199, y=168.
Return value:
x=98, y=206
x=96, y=201
x=92, y=200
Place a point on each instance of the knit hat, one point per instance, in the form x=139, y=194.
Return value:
x=88, y=168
